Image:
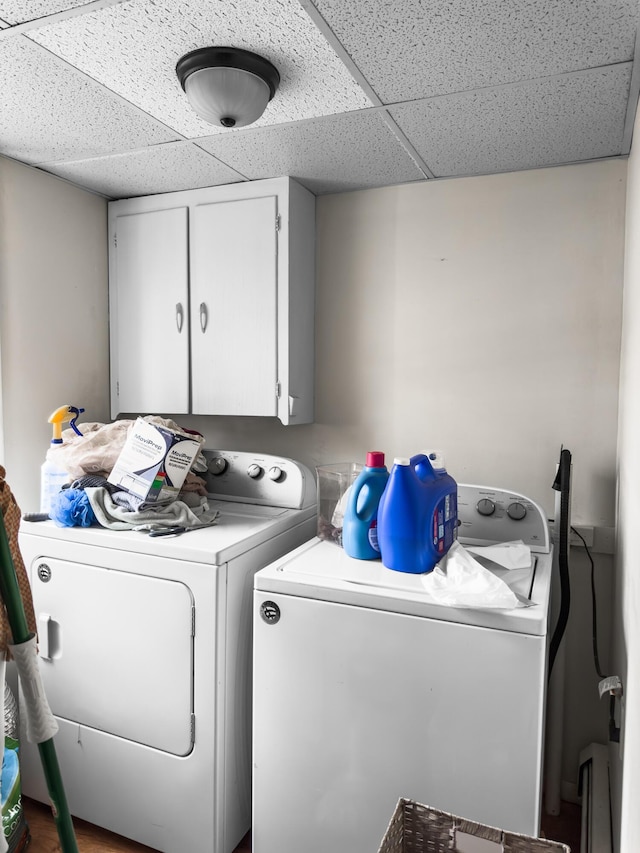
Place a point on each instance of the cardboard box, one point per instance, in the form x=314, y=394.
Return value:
x=154, y=462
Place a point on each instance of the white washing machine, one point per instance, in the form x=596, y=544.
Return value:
x=145, y=654
x=366, y=690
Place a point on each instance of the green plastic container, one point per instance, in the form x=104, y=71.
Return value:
x=14, y=824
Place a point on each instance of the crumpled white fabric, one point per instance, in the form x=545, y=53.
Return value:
x=509, y=555
x=459, y=580
x=97, y=449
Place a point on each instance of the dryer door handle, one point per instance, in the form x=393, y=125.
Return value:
x=44, y=628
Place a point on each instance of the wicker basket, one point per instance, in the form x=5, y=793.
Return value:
x=415, y=828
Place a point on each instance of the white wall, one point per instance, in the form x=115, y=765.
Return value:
x=481, y=316
x=53, y=314
x=625, y=760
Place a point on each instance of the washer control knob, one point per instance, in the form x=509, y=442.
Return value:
x=485, y=506
x=218, y=465
x=254, y=471
x=516, y=511
x=275, y=473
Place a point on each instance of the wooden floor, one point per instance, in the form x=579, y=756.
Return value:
x=564, y=827
x=91, y=839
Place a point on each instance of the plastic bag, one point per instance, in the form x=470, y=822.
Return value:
x=509, y=555
x=459, y=580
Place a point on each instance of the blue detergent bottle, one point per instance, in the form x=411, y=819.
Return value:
x=444, y=521
x=417, y=516
x=360, y=526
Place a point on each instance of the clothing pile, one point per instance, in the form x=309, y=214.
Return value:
x=90, y=499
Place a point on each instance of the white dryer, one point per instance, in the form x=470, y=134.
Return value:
x=367, y=690
x=145, y=654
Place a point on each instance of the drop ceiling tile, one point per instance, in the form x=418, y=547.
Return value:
x=163, y=168
x=544, y=122
x=50, y=112
x=410, y=49
x=332, y=154
x=133, y=48
x=17, y=11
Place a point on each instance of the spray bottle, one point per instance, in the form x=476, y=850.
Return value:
x=53, y=476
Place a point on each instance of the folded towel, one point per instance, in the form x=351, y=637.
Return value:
x=115, y=517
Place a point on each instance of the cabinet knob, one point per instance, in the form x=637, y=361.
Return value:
x=204, y=316
x=179, y=316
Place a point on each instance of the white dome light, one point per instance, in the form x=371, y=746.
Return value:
x=227, y=86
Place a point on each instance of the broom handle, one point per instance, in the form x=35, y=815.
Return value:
x=10, y=593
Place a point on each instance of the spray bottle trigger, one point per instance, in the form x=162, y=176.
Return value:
x=76, y=414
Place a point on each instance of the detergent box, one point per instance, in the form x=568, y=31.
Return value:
x=154, y=462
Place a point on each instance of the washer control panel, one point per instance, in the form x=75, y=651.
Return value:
x=258, y=478
x=487, y=515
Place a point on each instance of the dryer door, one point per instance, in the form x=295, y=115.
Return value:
x=95, y=673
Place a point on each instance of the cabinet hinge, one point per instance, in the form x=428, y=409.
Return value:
x=118, y=387
x=277, y=221
x=193, y=621
x=115, y=240
x=278, y=390
x=193, y=728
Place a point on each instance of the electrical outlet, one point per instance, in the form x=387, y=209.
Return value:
x=587, y=534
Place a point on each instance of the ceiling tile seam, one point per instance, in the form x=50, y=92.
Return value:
x=632, y=100
x=182, y=143
x=406, y=144
x=516, y=170
x=80, y=73
x=221, y=161
x=340, y=51
x=248, y=131
x=55, y=17
x=514, y=84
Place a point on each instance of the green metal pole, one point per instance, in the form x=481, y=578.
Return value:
x=10, y=593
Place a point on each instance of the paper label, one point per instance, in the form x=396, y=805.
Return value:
x=444, y=523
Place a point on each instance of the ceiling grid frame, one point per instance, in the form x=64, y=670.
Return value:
x=453, y=106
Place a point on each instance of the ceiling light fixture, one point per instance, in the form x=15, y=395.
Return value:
x=227, y=86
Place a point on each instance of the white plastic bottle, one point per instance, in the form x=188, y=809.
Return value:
x=52, y=475
x=52, y=479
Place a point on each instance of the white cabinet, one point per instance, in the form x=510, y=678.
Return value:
x=212, y=302
x=149, y=299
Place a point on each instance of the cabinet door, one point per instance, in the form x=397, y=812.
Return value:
x=234, y=307
x=149, y=301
